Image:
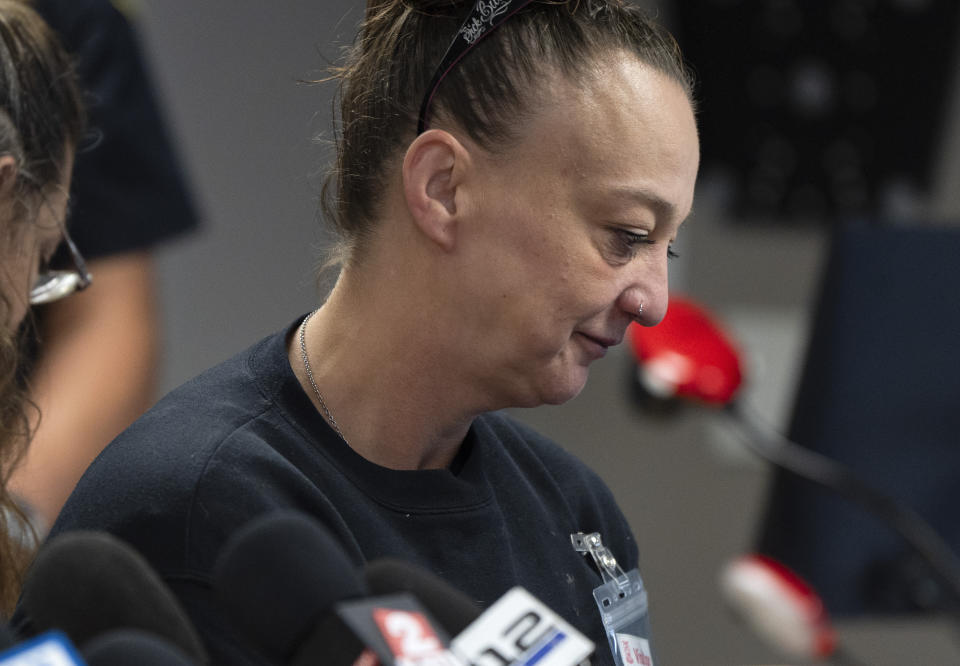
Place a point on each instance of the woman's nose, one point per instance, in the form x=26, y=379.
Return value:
x=646, y=299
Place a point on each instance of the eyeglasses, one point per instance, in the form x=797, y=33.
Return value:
x=485, y=17
x=52, y=285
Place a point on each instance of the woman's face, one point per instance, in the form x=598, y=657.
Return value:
x=574, y=226
x=27, y=244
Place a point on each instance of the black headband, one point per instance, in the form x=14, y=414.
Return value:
x=485, y=17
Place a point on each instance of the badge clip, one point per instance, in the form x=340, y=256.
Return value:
x=622, y=601
x=606, y=563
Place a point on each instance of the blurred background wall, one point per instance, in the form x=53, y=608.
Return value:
x=231, y=74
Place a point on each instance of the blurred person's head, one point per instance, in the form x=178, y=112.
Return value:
x=41, y=120
x=564, y=152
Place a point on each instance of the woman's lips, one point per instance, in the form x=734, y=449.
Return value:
x=596, y=347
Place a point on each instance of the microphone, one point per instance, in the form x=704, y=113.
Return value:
x=916, y=532
x=519, y=629
x=454, y=610
x=114, y=648
x=782, y=609
x=88, y=583
x=779, y=606
x=689, y=356
x=305, y=603
x=516, y=629
x=279, y=597
x=131, y=646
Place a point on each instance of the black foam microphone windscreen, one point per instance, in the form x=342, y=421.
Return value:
x=87, y=583
x=279, y=578
x=453, y=609
x=130, y=646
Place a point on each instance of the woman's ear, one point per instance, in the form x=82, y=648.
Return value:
x=8, y=175
x=433, y=170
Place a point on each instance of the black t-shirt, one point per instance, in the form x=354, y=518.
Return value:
x=243, y=438
x=128, y=191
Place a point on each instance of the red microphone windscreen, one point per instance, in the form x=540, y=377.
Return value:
x=687, y=355
x=779, y=606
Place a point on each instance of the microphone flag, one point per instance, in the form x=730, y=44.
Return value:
x=521, y=630
x=399, y=630
x=51, y=648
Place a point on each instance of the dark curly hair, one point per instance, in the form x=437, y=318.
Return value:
x=41, y=121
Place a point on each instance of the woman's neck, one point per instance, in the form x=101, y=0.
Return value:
x=387, y=376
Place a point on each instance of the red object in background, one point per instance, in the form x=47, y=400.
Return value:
x=686, y=355
x=780, y=606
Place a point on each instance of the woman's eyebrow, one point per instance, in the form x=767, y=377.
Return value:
x=645, y=197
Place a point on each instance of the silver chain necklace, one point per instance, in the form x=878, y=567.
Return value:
x=313, y=383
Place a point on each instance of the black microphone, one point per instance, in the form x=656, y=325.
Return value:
x=516, y=629
x=454, y=610
x=124, y=647
x=278, y=578
x=88, y=583
x=291, y=590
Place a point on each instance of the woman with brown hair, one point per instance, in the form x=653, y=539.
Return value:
x=41, y=121
x=509, y=179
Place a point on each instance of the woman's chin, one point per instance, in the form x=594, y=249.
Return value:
x=564, y=388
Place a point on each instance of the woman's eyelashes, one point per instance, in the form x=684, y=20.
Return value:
x=625, y=244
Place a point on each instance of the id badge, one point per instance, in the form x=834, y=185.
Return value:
x=622, y=602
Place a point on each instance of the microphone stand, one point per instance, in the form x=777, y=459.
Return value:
x=775, y=448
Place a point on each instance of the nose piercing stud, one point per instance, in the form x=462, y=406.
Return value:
x=640, y=310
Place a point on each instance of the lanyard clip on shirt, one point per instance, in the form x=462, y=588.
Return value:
x=622, y=602
x=591, y=544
